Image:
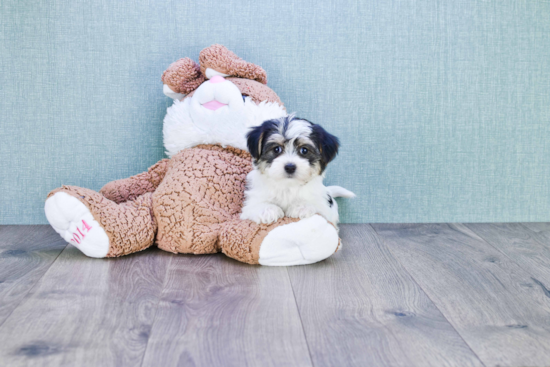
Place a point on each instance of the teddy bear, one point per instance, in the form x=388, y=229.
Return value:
x=190, y=202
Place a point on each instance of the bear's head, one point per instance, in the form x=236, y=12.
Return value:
x=216, y=102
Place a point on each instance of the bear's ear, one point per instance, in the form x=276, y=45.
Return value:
x=327, y=143
x=183, y=76
x=223, y=62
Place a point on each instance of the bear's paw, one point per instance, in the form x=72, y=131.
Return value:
x=75, y=223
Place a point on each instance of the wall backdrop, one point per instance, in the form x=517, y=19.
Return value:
x=442, y=107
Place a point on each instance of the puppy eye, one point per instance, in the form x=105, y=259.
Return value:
x=303, y=151
x=277, y=150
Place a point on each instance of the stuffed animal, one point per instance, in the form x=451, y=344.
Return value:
x=190, y=203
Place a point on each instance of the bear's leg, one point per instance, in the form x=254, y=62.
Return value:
x=283, y=243
x=100, y=227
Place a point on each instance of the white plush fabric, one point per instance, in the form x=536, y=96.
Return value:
x=305, y=242
x=168, y=92
x=188, y=123
x=67, y=215
x=210, y=73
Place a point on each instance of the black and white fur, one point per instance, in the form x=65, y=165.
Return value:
x=290, y=156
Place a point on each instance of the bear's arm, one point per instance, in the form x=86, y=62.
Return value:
x=129, y=188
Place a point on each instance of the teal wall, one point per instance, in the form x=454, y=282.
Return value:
x=443, y=107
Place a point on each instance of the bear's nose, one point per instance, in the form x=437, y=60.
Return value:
x=217, y=79
x=290, y=168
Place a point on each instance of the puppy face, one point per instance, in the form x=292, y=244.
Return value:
x=291, y=149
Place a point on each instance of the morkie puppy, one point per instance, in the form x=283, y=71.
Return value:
x=290, y=155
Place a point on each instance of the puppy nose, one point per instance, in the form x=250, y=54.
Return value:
x=217, y=79
x=290, y=168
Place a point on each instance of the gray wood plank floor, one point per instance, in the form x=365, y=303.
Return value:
x=396, y=295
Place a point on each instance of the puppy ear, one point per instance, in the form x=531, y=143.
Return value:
x=254, y=141
x=328, y=143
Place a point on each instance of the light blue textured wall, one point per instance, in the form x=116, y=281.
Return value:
x=443, y=107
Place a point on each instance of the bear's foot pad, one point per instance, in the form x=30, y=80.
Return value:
x=75, y=223
x=305, y=242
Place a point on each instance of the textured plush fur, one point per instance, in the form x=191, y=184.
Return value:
x=191, y=202
x=224, y=61
x=188, y=124
x=183, y=76
x=227, y=128
x=290, y=156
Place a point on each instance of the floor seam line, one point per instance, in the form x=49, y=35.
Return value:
x=533, y=232
x=427, y=295
x=156, y=311
x=34, y=285
x=531, y=275
x=300, y=316
x=499, y=250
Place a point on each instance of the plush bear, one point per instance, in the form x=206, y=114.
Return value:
x=190, y=203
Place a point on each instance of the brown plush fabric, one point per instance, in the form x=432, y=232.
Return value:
x=130, y=226
x=183, y=76
x=195, y=208
x=191, y=203
x=130, y=188
x=241, y=239
x=257, y=91
x=203, y=189
x=219, y=58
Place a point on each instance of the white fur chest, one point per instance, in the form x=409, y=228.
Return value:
x=295, y=200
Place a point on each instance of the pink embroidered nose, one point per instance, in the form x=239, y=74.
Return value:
x=213, y=105
x=217, y=79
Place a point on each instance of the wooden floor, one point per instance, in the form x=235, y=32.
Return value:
x=396, y=295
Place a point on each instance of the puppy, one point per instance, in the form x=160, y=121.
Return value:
x=290, y=155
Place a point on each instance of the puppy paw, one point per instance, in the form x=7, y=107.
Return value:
x=266, y=214
x=301, y=211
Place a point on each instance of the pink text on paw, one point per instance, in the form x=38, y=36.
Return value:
x=85, y=228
